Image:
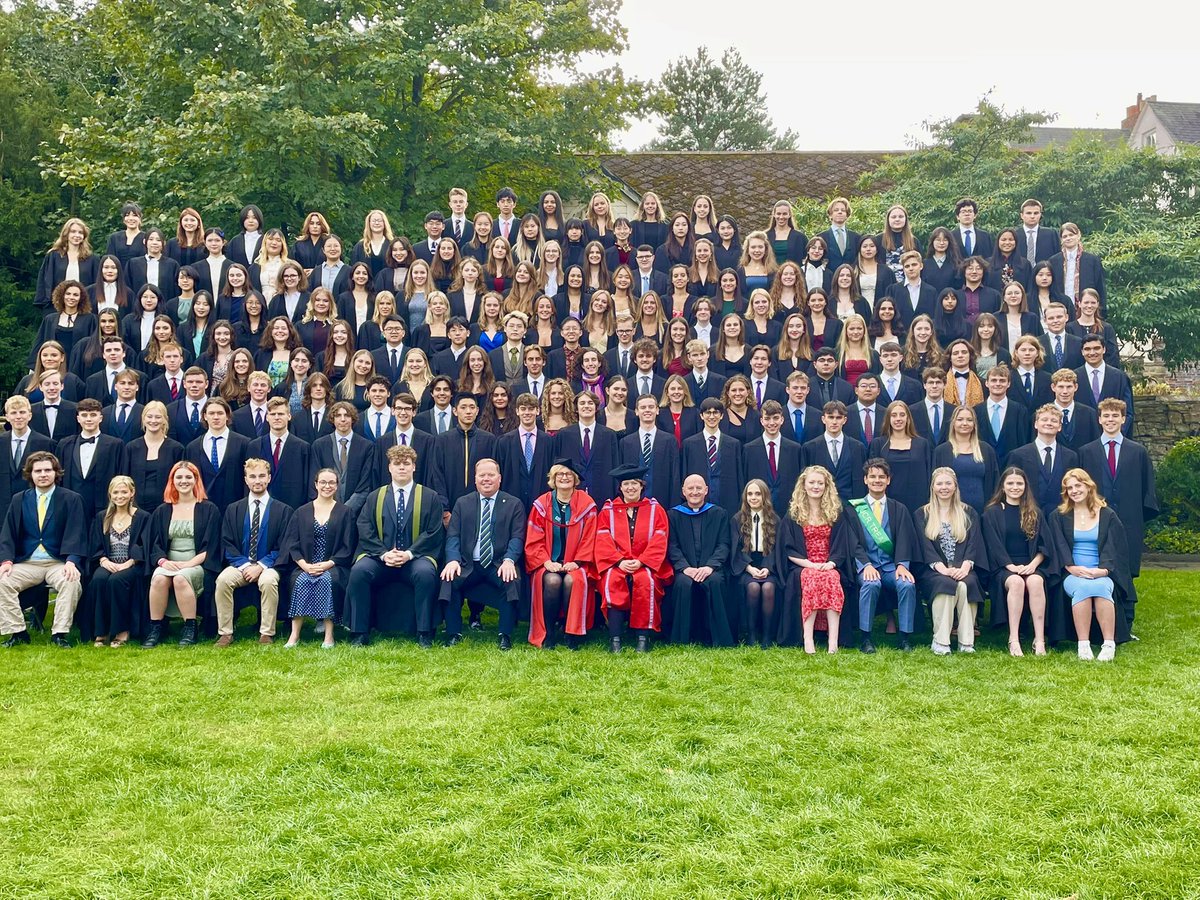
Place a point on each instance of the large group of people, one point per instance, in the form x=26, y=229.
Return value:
x=652, y=427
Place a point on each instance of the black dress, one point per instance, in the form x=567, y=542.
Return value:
x=150, y=475
x=114, y=602
x=1008, y=544
x=911, y=470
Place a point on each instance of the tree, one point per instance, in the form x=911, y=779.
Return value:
x=715, y=106
x=304, y=104
x=1140, y=211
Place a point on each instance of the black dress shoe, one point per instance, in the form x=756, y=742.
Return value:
x=475, y=623
x=453, y=639
x=643, y=644
x=614, y=645
x=866, y=646
x=154, y=636
x=905, y=643
x=61, y=641
x=16, y=639
x=360, y=639
x=424, y=641
x=187, y=637
x=505, y=642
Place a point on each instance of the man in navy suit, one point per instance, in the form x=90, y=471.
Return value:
x=187, y=413
x=250, y=421
x=506, y=223
x=620, y=358
x=1100, y=381
x=593, y=449
x=251, y=534
x=53, y=416
x=762, y=386
x=405, y=434
x=653, y=449
x=219, y=455
x=1079, y=423
x=123, y=419
x=90, y=459
x=644, y=381
x=931, y=416
x=840, y=455
x=700, y=381
x=525, y=454
x=864, y=422
x=43, y=541
x=1034, y=241
x=435, y=224
x=100, y=385
x=346, y=452
x=167, y=387
x=645, y=277
x=893, y=383
x=1003, y=422
x=841, y=243
x=1063, y=350
x=716, y=457
x=971, y=241
x=801, y=420
x=773, y=458
x=484, y=544
x=459, y=226
x=400, y=539
x=389, y=359
x=535, y=377
x=1045, y=461
x=15, y=445
x=287, y=455
x=912, y=296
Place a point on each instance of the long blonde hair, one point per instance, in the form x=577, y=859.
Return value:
x=830, y=506
x=973, y=441
x=110, y=511
x=1094, y=502
x=957, y=517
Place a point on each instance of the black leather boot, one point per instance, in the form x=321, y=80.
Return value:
x=155, y=635
x=187, y=637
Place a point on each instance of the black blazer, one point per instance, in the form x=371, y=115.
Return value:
x=207, y=526
x=290, y=483
x=508, y=530
x=383, y=361
x=1047, y=242
x=821, y=392
x=64, y=532
x=713, y=385
x=11, y=479
x=455, y=455
x=524, y=484
x=660, y=282
x=96, y=388
x=664, y=475
x=1083, y=427
x=243, y=423
x=834, y=255
x=425, y=421
x=847, y=473
x=926, y=301
x=226, y=485
x=1042, y=391
x=1047, y=487
x=422, y=442
x=989, y=299
x=919, y=413
x=908, y=390
x=854, y=426
x=789, y=462
x=731, y=464
x=612, y=361
x=179, y=418
x=302, y=425
x=307, y=253
x=107, y=462
x=65, y=424
x=168, y=275
x=593, y=470
x=1072, y=351
x=813, y=426
x=984, y=244
x=1019, y=267
x=1015, y=430
x=150, y=475
x=360, y=459
x=1115, y=383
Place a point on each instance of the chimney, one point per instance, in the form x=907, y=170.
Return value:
x=1131, y=112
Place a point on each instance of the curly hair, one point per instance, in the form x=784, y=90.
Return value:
x=830, y=505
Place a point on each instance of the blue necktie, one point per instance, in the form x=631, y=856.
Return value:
x=798, y=419
x=647, y=452
x=485, y=535
x=529, y=452
x=216, y=460
x=969, y=243
x=1058, y=352
x=937, y=421
x=399, y=516
x=195, y=419
x=996, y=420
x=123, y=418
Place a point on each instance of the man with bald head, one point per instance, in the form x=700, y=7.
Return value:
x=698, y=548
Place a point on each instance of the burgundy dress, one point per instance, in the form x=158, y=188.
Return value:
x=855, y=368
x=820, y=589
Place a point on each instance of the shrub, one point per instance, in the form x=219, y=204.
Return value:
x=1178, y=482
x=1162, y=538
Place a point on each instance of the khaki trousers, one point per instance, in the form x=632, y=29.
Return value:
x=29, y=574
x=268, y=591
x=944, y=606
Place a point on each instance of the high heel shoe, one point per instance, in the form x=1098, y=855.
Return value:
x=1014, y=648
x=1039, y=648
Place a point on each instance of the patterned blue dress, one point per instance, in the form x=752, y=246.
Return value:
x=313, y=597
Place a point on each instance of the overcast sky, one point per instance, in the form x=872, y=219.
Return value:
x=893, y=65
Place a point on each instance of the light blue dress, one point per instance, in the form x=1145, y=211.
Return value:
x=1087, y=553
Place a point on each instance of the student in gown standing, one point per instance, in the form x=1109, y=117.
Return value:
x=698, y=546
x=909, y=456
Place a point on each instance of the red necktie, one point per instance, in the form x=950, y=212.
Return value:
x=868, y=431
x=771, y=460
x=1112, y=458
x=278, y=450
x=174, y=389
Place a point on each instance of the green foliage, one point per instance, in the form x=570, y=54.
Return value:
x=466, y=773
x=1138, y=210
x=710, y=104
x=302, y=105
x=1178, y=484
x=1163, y=538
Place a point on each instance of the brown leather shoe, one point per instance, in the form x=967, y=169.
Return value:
x=225, y=640
x=266, y=639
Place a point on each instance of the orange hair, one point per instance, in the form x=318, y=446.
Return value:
x=171, y=493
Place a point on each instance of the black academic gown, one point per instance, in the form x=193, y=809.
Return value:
x=298, y=544
x=1131, y=495
x=845, y=552
x=108, y=461
x=207, y=529
x=972, y=547
x=1114, y=548
x=455, y=454
x=1057, y=628
x=594, y=468
x=707, y=613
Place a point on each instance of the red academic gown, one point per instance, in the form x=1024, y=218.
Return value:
x=649, y=545
x=580, y=548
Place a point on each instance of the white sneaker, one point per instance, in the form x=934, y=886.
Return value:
x=969, y=648
x=1108, y=651
x=1085, y=650
x=940, y=649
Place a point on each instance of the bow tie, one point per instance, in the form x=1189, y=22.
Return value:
x=49, y=406
x=90, y=440
x=963, y=375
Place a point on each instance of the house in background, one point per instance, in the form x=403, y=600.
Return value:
x=1163, y=126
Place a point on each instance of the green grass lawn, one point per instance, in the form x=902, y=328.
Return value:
x=259, y=772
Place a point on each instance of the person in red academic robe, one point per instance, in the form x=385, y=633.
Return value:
x=560, y=549
x=631, y=559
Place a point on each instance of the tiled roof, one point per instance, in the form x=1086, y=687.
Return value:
x=745, y=185
x=1182, y=120
x=1044, y=136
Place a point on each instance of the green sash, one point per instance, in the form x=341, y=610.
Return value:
x=385, y=491
x=873, y=526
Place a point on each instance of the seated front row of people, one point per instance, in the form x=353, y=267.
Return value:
x=632, y=564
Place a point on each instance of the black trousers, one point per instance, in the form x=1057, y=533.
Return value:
x=482, y=584
x=370, y=574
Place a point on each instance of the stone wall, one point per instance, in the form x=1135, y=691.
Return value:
x=1163, y=421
